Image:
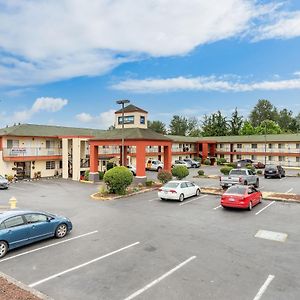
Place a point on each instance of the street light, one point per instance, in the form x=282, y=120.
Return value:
x=122, y=102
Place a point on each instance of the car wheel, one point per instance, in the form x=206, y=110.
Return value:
x=245, y=182
x=162, y=198
x=159, y=169
x=194, y=166
x=3, y=248
x=257, y=183
x=181, y=197
x=279, y=176
x=61, y=231
x=250, y=205
x=198, y=192
x=259, y=201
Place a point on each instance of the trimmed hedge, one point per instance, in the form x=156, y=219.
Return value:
x=250, y=167
x=180, y=172
x=149, y=183
x=207, y=162
x=118, y=179
x=221, y=161
x=87, y=175
x=201, y=172
x=226, y=170
x=164, y=176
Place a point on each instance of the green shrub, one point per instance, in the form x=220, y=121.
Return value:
x=221, y=161
x=259, y=172
x=180, y=172
x=250, y=167
x=164, y=176
x=149, y=183
x=118, y=179
x=101, y=175
x=232, y=165
x=87, y=175
x=298, y=174
x=198, y=159
x=201, y=172
x=226, y=170
x=207, y=162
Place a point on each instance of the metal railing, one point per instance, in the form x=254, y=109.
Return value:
x=25, y=151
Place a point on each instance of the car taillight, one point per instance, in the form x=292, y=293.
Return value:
x=160, y=190
x=240, y=179
x=172, y=191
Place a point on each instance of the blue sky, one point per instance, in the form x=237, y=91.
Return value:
x=65, y=62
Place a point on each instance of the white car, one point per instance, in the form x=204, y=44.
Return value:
x=132, y=169
x=154, y=165
x=181, y=163
x=178, y=190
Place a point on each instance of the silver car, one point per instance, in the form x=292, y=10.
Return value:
x=4, y=183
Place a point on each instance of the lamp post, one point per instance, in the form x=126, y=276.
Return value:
x=265, y=143
x=122, y=102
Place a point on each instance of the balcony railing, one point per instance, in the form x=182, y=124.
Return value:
x=24, y=151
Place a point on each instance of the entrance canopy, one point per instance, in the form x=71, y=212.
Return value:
x=138, y=137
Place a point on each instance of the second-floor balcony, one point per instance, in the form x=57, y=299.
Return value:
x=25, y=151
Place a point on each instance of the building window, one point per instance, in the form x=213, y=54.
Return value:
x=270, y=146
x=127, y=120
x=254, y=146
x=222, y=156
x=50, y=144
x=297, y=146
x=270, y=158
x=280, y=146
x=60, y=164
x=253, y=157
x=297, y=159
x=12, y=144
x=239, y=156
x=142, y=119
x=239, y=146
x=221, y=146
x=281, y=158
x=50, y=165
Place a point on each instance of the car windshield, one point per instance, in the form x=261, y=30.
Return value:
x=270, y=168
x=1, y=177
x=237, y=190
x=171, y=185
x=238, y=172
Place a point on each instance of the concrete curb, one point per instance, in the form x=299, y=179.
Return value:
x=210, y=191
x=25, y=287
x=122, y=196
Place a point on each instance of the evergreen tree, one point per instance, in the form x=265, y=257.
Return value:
x=235, y=123
x=263, y=110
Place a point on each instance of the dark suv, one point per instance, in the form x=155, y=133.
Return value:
x=243, y=163
x=274, y=171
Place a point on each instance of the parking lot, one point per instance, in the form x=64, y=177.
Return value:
x=144, y=248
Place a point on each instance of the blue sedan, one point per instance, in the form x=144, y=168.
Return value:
x=19, y=228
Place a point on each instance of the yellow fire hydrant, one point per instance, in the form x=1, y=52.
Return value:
x=13, y=202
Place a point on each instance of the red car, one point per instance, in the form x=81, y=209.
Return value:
x=241, y=196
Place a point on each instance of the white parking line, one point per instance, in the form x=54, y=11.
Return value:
x=264, y=287
x=186, y=202
x=218, y=207
x=82, y=265
x=153, y=199
x=290, y=190
x=48, y=246
x=156, y=281
x=265, y=208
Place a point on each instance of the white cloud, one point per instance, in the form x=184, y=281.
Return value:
x=211, y=83
x=62, y=39
x=285, y=25
x=41, y=104
x=103, y=120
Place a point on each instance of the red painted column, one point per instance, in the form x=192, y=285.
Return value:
x=204, y=151
x=167, y=157
x=140, y=159
x=213, y=149
x=94, y=158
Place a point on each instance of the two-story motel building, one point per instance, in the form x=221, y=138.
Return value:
x=43, y=151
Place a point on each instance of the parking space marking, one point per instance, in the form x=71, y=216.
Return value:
x=156, y=281
x=217, y=207
x=48, y=246
x=82, y=265
x=153, y=199
x=264, y=287
x=290, y=190
x=265, y=208
x=186, y=202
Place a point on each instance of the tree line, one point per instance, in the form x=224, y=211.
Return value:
x=264, y=118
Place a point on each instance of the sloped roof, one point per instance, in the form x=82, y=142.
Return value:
x=47, y=130
x=130, y=108
x=131, y=134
